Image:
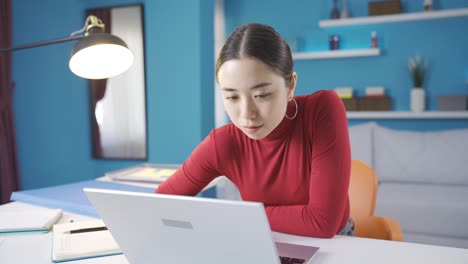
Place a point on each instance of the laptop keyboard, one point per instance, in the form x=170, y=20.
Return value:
x=288, y=260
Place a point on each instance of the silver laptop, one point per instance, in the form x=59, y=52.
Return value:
x=157, y=228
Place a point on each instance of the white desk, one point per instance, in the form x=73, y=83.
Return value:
x=350, y=250
x=37, y=249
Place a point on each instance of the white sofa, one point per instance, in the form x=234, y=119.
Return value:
x=423, y=180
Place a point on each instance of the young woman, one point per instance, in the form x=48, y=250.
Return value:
x=290, y=153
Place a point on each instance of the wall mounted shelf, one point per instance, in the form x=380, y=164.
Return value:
x=441, y=14
x=407, y=115
x=335, y=54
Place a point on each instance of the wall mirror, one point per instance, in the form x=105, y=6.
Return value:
x=118, y=104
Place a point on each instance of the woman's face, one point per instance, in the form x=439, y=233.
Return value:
x=254, y=96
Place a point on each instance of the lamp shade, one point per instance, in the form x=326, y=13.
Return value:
x=100, y=55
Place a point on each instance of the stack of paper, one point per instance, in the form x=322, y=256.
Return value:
x=85, y=243
x=34, y=220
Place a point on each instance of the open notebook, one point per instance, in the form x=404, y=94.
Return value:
x=86, y=243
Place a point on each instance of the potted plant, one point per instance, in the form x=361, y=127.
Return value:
x=418, y=69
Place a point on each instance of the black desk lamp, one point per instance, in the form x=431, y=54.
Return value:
x=97, y=55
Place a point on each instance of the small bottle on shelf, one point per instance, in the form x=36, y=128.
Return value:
x=334, y=42
x=427, y=5
x=344, y=10
x=374, y=42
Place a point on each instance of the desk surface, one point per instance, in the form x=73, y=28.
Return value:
x=344, y=249
x=37, y=248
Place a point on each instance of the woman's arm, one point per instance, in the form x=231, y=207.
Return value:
x=328, y=208
x=195, y=173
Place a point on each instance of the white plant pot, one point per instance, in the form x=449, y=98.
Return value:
x=418, y=99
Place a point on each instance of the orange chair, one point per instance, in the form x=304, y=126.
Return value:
x=362, y=197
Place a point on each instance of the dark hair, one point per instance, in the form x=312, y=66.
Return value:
x=261, y=42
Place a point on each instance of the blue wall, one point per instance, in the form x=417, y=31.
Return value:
x=443, y=42
x=51, y=105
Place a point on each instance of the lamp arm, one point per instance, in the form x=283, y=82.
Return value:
x=41, y=43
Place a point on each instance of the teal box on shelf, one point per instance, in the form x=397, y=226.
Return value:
x=452, y=102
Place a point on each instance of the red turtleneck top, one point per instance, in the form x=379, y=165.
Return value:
x=300, y=171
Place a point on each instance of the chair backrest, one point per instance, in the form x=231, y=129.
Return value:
x=362, y=198
x=362, y=190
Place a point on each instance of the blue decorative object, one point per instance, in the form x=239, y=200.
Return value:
x=334, y=42
x=335, y=13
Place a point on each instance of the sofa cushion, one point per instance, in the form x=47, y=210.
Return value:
x=360, y=137
x=425, y=208
x=424, y=157
x=435, y=240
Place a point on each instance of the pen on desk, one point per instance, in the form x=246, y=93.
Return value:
x=84, y=230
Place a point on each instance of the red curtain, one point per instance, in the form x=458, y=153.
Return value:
x=9, y=176
x=98, y=87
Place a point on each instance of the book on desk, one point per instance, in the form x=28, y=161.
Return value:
x=80, y=240
x=38, y=220
x=144, y=172
x=152, y=173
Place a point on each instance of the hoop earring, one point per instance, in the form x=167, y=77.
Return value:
x=295, y=114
